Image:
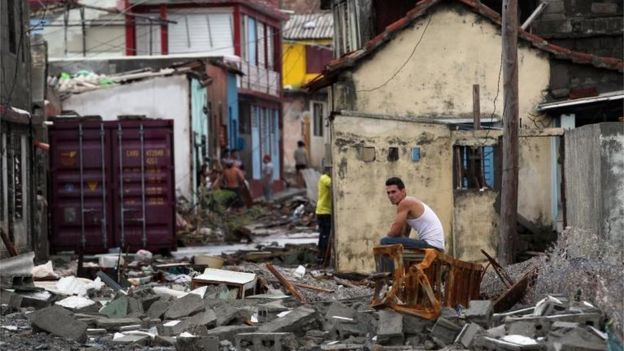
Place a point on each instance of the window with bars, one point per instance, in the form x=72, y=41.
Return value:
x=474, y=167
x=346, y=27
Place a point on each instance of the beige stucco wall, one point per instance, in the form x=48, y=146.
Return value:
x=296, y=108
x=458, y=49
x=362, y=211
x=475, y=224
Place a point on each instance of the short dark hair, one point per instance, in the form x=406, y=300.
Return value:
x=395, y=181
x=300, y=143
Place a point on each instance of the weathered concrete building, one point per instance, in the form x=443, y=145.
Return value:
x=594, y=170
x=17, y=190
x=401, y=101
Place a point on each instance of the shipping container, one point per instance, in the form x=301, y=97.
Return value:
x=112, y=185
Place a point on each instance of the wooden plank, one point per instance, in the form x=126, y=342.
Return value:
x=286, y=284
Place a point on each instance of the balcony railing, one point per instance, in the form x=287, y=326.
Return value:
x=260, y=79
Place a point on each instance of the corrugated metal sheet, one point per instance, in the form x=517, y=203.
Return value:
x=311, y=26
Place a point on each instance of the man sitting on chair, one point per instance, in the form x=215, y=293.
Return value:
x=412, y=214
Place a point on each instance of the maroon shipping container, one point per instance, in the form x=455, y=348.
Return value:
x=112, y=185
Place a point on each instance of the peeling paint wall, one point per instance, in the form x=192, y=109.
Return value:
x=458, y=49
x=362, y=212
x=594, y=173
x=475, y=224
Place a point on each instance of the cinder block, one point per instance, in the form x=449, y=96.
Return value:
x=445, y=330
x=390, y=328
x=266, y=341
x=469, y=333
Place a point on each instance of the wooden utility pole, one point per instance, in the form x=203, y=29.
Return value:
x=509, y=191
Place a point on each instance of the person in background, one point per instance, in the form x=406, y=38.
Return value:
x=324, y=212
x=233, y=181
x=301, y=162
x=267, y=177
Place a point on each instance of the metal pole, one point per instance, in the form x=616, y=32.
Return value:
x=84, y=32
x=509, y=191
x=104, y=241
x=121, y=185
x=83, y=239
x=141, y=133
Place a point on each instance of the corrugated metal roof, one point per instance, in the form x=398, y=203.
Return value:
x=318, y=25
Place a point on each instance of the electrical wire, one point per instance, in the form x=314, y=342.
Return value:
x=402, y=66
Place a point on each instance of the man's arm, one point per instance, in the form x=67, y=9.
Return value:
x=400, y=221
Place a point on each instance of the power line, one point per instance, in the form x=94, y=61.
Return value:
x=403, y=65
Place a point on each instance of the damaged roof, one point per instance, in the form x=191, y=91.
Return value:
x=353, y=58
x=318, y=25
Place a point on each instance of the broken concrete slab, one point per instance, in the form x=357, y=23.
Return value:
x=206, y=318
x=131, y=339
x=577, y=339
x=468, y=334
x=159, y=307
x=167, y=341
x=390, y=328
x=266, y=341
x=228, y=332
x=35, y=299
x=445, y=330
x=226, y=313
x=528, y=328
x=113, y=324
x=59, y=321
x=184, y=306
x=135, y=307
x=197, y=343
x=297, y=321
x=172, y=328
x=78, y=304
x=117, y=308
x=341, y=310
x=491, y=344
x=269, y=311
x=551, y=305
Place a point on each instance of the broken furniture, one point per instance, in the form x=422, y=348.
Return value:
x=241, y=280
x=423, y=281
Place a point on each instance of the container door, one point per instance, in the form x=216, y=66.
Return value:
x=144, y=201
x=79, y=174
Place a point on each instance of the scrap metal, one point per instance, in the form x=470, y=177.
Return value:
x=424, y=280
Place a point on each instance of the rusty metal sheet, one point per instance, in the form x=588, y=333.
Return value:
x=423, y=280
x=515, y=293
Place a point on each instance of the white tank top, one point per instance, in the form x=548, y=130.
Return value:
x=429, y=228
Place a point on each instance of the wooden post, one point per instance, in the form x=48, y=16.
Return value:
x=476, y=107
x=509, y=191
x=8, y=244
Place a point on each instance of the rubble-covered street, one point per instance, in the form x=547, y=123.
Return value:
x=271, y=294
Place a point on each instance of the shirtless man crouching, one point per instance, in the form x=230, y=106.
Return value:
x=412, y=214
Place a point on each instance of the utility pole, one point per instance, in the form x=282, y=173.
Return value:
x=509, y=191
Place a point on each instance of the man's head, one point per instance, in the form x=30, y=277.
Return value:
x=395, y=189
x=300, y=143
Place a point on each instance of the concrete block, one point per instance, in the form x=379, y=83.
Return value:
x=228, y=332
x=297, y=321
x=340, y=310
x=269, y=311
x=468, y=334
x=445, y=330
x=390, y=328
x=135, y=307
x=413, y=325
x=266, y=341
x=59, y=321
x=197, y=343
x=158, y=308
x=184, y=306
x=480, y=312
x=113, y=324
x=78, y=304
x=35, y=299
x=528, y=328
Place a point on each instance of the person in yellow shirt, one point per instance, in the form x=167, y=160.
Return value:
x=324, y=212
